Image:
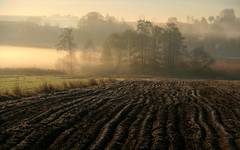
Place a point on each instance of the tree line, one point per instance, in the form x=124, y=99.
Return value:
x=151, y=46
x=218, y=34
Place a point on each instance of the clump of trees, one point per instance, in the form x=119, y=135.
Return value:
x=219, y=35
x=152, y=47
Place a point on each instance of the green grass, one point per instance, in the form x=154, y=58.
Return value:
x=32, y=84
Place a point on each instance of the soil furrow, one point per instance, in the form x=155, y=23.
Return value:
x=136, y=114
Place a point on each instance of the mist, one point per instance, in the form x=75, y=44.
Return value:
x=103, y=44
x=43, y=58
x=28, y=57
x=120, y=74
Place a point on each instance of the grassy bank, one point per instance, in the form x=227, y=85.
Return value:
x=21, y=85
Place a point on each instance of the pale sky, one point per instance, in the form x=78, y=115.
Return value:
x=130, y=10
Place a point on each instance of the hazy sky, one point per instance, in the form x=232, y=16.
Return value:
x=156, y=10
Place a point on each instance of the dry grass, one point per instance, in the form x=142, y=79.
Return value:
x=50, y=87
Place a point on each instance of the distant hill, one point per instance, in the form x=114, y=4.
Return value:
x=54, y=20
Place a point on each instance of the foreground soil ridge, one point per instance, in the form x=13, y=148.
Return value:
x=167, y=114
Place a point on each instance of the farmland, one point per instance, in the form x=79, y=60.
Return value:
x=131, y=114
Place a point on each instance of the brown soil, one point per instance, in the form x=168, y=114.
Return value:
x=126, y=115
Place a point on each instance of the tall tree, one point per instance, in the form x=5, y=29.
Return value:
x=173, y=45
x=129, y=41
x=157, y=45
x=144, y=29
x=66, y=43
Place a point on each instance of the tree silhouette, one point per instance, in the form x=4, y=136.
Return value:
x=157, y=45
x=144, y=29
x=172, y=45
x=148, y=46
x=66, y=44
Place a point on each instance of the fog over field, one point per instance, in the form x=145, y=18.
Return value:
x=28, y=57
x=120, y=74
x=34, y=57
x=128, y=36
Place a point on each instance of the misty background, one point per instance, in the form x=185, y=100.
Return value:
x=219, y=34
x=29, y=39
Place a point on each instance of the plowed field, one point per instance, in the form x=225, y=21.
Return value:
x=164, y=114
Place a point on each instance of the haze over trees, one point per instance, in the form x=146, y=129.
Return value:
x=66, y=43
x=99, y=82
x=96, y=27
x=142, y=46
x=93, y=26
x=151, y=47
x=218, y=34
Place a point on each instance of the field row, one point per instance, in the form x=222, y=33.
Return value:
x=126, y=115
